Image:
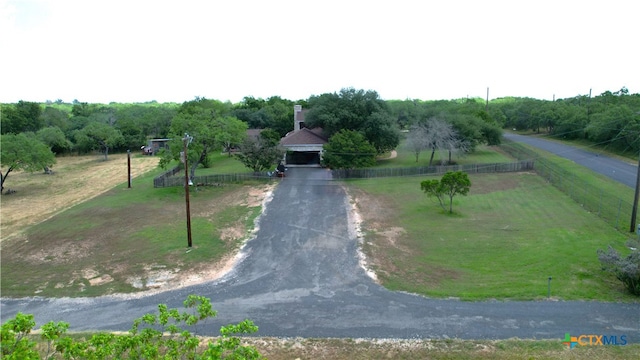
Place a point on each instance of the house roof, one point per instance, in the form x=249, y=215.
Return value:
x=304, y=136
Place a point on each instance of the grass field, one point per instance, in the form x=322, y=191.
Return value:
x=127, y=240
x=482, y=155
x=504, y=240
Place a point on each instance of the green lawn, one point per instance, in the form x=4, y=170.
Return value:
x=405, y=158
x=505, y=239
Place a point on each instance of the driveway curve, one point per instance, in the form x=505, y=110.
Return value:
x=301, y=276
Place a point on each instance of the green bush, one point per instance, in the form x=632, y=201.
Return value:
x=626, y=269
x=152, y=336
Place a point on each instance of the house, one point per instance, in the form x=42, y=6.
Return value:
x=303, y=145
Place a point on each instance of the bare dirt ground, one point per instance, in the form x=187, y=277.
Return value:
x=39, y=196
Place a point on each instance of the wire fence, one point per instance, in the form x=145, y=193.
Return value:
x=523, y=165
x=610, y=207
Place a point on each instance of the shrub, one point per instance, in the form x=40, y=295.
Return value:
x=626, y=269
x=152, y=336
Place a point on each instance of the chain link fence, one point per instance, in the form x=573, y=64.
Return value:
x=610, y=207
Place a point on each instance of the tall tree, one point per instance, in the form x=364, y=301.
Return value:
x=98, y=136
x=232, y=132
x=200, y=118
x=53, y=137
x=22, y=152
x=357, y=110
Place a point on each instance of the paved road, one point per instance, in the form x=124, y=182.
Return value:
x=300, y=276
x=615, y=169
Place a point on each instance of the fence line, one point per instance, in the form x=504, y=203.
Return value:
x=611, y=208
x=162, y=179
x=169, y=179
x=523, y=165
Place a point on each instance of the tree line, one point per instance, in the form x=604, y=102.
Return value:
x=358, y=123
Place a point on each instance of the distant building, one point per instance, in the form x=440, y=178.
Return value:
x=303, y=145
x=155, y=145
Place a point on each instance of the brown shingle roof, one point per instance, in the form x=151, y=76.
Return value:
x=304, y=136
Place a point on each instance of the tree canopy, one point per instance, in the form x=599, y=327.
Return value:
x=348, y=149
x=99, y=136
x=260, y=154
x=356, y=110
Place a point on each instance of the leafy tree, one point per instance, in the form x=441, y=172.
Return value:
x=83, y=109
x=451, y=184
x=259, y=154
x=52, y=116
x=152, y=336
x=356, y=110
x=98, y=136
x=232, y=132
x=53, y=137
x=22, y=152
x=21, y=117
x=348, y=149
x=626, y=269
x=201, y=119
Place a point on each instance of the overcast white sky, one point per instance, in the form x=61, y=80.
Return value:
x=101, y=51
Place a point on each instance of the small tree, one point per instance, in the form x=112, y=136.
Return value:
x=22, y=152
x=259, y=154
x=348, y=149
x=626, y=269
x=451, y=184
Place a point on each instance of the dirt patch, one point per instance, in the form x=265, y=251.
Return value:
x=386, y=252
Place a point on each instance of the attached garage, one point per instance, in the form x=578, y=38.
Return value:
x=304, y=147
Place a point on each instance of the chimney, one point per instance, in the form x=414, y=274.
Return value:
x=297, y=117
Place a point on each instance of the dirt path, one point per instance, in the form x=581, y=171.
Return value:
x=39, y=196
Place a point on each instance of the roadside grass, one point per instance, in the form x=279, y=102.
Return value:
x=503, y=241
x=608, y=199
x=127, y=240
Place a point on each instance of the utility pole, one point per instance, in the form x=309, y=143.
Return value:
x=186, y=140
x=129, y=168
x=486, y=106
x=634, y=212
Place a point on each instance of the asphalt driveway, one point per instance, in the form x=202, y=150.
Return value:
x=301, y=276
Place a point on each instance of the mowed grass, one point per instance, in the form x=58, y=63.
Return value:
x=127, y=240
x=405, y=158
x=505, y=239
